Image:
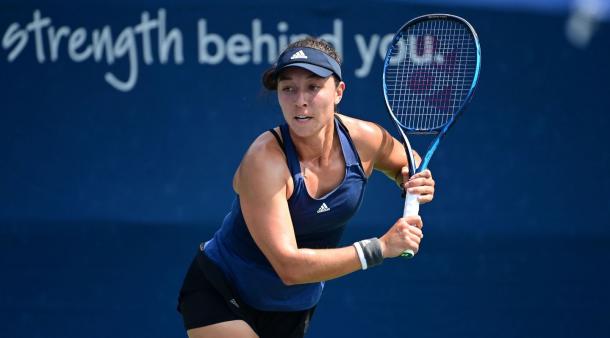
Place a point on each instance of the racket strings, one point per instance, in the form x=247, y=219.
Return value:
x=430, y=72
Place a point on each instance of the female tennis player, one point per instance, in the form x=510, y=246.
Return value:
x=262, y=273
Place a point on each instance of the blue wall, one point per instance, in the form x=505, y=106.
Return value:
x=106, y=188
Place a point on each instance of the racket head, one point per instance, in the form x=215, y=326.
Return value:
x=430, y=72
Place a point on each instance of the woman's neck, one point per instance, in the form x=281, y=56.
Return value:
x=317, y=148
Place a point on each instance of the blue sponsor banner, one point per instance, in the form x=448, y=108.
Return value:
x=143, y=114
x=132, y=113
x=122, y=124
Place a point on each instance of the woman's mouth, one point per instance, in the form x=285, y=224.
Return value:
x=302, y=117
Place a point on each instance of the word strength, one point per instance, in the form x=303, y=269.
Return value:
x=98, y=44
x=151, y=41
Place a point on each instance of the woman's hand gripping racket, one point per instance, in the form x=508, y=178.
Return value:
x=429, y=75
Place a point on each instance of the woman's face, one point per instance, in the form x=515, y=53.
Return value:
x=307, y=100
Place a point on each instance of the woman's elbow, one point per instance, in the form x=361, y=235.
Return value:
x=289, y=280
x=289, y=272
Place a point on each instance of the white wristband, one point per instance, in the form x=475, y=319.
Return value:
x=360, y=255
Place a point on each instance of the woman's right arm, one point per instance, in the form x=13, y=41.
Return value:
x=262, y=183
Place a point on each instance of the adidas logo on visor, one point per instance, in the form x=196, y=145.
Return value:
x=298, y=55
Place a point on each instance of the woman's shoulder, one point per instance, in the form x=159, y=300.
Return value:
x=263, y=160
x=363, y=133
x=369, y=139
x=266, y=146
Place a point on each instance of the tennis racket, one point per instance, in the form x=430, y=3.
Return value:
x=430, y=72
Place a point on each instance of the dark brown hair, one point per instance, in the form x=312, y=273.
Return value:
x=270, y=76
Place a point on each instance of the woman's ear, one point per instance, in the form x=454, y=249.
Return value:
x=339, y=91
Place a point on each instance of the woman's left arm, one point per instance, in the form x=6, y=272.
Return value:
x=380, y=151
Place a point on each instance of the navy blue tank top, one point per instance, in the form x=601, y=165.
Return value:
x=318, y=223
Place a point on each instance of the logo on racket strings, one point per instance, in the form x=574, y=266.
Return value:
x=431, y=66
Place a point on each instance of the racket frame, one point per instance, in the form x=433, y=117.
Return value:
x=411, y=204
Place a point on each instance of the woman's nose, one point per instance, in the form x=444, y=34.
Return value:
x=301, y=99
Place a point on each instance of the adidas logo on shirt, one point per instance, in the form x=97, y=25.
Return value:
x=298, y=55
x=323, y=208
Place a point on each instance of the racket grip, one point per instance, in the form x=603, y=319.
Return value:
x=411, y=208
x=411, y=205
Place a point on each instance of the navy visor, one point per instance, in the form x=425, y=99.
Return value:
x=311, y=59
